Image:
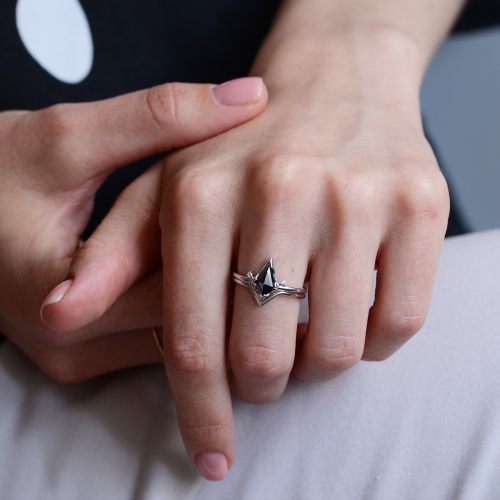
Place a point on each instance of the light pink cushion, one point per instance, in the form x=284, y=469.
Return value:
x=423, y=425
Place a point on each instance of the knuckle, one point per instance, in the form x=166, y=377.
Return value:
x=59, y=120
x=59, y=124
x=343, y=353
x=196, y=193
x=262, y=362
x=163, y=103
x=208, y=429
x=403, y=325
x=424, y=197
x=97, y=259
x=192, y=356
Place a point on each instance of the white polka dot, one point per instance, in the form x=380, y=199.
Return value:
x=57, y=35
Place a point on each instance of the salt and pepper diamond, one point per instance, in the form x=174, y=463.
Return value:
x=266, y=279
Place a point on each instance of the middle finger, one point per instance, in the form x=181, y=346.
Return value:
x=196, y=249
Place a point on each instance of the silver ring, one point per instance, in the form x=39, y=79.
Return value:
x=265, y=286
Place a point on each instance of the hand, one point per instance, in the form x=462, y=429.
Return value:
x=335, y=179
x=53, y=161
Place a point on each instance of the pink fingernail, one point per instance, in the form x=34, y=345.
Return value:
x=56, y=295
x=238, y=92
x=212, y=466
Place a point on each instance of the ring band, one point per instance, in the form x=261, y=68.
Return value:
x=265, y=287
x=157, y=341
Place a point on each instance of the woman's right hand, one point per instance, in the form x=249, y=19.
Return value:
x=53, y=162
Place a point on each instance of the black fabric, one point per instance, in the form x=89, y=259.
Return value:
x=138, y=44
x=478, y=14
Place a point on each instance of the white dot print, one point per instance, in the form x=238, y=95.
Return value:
x=57, y=35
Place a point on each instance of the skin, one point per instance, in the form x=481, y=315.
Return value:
x=53, y=162
x=334, y=179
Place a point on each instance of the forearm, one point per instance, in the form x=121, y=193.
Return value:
x=319, y=37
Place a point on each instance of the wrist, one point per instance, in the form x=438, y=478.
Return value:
x=372, y=63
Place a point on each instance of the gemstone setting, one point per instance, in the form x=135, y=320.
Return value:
x=265, y=287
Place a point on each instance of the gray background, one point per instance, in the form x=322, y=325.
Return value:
x=461, y=108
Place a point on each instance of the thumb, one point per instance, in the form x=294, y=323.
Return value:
x=92, y=139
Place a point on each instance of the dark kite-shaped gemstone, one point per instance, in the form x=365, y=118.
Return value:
x=266, y=279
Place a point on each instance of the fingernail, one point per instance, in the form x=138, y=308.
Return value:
x=212, y=466
x=56, y=295
x=238, y=92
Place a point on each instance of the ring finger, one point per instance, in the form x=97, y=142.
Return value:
x=262, y=340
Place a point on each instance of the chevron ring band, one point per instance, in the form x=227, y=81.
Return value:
x=265, y=287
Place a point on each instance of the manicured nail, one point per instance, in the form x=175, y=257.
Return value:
x=56, y=295
x=212, y=466
x=238, y=92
